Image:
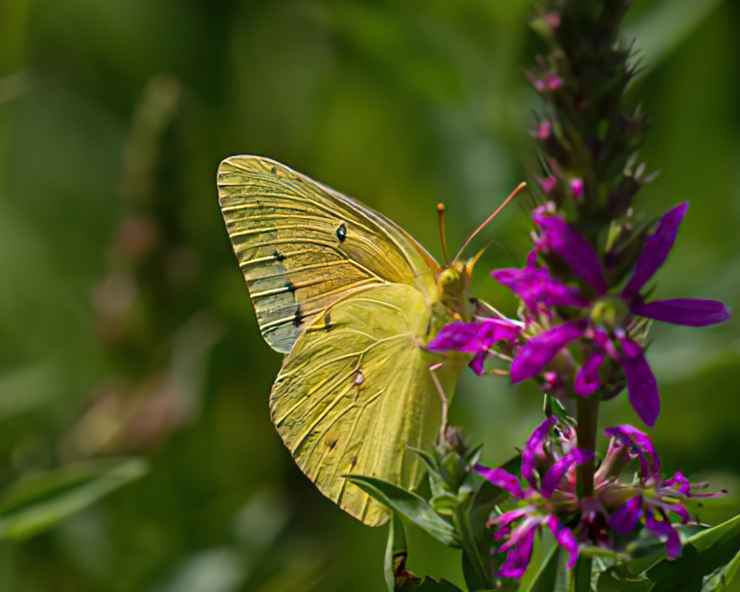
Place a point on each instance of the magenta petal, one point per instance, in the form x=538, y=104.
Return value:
x=501, y=478
x=642, y=388
x=557, y=471
x=567, y=243
x=533, y=447
x=477, y=364
x=625, y=519
x=679, y=482
x=680, y=511
x=667, y=534
x=502, y=521
x=692, y=312
x=534, y=355
x=535, y=286
x=588, y=380
x=655, y=250
x=473, y=337
x=518, y=556
x=638, y=443
x=565, y=538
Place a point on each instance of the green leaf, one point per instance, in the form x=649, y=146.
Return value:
x=615, y=580
x=427, y=459
x=722, y=578
x=409, y=505
x=647, y=549
x=702, y=554
x=547, y=575
x=477, y=561
x=396, y=551
x=666, y=27
x=581, y=574
x=430, y=585
x=39, y=502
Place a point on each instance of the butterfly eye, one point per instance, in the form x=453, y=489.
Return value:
x=342, y=232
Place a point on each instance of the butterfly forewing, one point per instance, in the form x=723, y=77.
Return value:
x=302, y=246
x=349, y=295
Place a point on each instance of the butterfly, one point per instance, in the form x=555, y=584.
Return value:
x=352, y=299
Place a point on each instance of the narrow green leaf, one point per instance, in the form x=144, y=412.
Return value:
x=546, y=578
x=427, y=459
x=722, y=579
x=581, y=575
x=477, y=561
x=666, y=26
x=716, y=534
x=396, y=551
x=409, y=505
x=430, y=585
x=39, y=502
x=648, y=549
x=703, y=554
x=614, y=580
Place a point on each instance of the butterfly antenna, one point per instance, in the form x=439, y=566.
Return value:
x=491, y=218
x=442, y=234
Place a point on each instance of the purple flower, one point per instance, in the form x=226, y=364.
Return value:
x=537, y=506
x=537, y=288
x=654, y=499
x=550, y=82
x=544, y=130
x=638, y=445
x=567, y=243
x=547, y=184
x=577, y=188
x=537, y=353
x=474, y=338
x=606, y=325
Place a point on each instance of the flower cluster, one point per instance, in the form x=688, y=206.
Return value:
x=550, y=492
x=585, y=305
x=621, y=504
x=607, y=325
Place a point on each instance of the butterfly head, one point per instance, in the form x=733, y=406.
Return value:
x=453, y=281
x=453, y=288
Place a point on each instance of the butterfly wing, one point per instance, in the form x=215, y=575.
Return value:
x=302, y=246
x=356, y=392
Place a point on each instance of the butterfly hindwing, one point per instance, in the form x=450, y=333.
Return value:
x=356, y=392
x=302, y=246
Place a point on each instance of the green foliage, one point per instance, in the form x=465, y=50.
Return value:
x=40, y=501
x=547, y=574
x=401, y=105
x=409, y=505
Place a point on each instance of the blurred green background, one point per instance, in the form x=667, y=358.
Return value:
x=124, y=322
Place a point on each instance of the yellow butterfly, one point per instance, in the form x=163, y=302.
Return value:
x=352, y=299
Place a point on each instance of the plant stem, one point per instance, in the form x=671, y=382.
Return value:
x=588, y=423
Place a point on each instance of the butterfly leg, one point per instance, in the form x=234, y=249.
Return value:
x=482, y=308
x=442, y=397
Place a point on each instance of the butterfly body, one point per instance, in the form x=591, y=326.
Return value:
x=353, y=300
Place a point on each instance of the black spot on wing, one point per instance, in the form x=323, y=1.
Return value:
x=289, y=286
x=298, y=318
x=278, y=255
x=342, y=232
